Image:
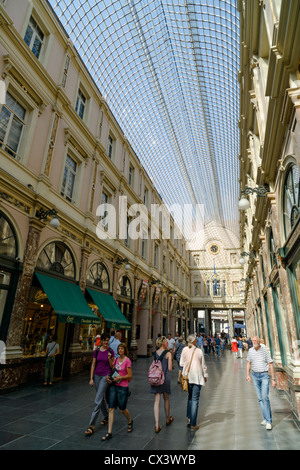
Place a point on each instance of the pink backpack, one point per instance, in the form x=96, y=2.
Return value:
x=156, y=375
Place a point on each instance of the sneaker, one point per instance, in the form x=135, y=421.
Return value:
x=264, y=422
x=269, y=426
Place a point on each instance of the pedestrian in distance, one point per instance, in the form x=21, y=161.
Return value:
x=205, y=345
x=222, y=345
x=193, y=363
x=260, y=362
x=213, y=345
x=118, y=394
x=249, y=343
x=163, y=354
x=234, y=347
x=240, y=348
x=218, y=345
x=178, y=350
x=103, y=359
x=115, y=342
x=51, y=352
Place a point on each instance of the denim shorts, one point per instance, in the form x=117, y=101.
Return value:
x=118, y=397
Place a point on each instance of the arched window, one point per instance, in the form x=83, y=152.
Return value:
x=291, y=199
x=57, y=257
x=98, y=276
x=124, y=287
x=8, y=240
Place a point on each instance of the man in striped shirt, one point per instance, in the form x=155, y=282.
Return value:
x=259, y=360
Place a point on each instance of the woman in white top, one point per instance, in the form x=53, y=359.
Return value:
x=193, y=357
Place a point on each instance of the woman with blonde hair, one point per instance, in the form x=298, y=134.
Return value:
x=193, y=363
x=162, y=354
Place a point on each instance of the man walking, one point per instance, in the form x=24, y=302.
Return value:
x=259, y=360
x=114, y=344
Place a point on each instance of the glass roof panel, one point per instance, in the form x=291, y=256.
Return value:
x=168, y=71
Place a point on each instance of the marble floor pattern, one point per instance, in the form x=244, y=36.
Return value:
x=55, y=418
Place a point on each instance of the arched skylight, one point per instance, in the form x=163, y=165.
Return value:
x=168, y=71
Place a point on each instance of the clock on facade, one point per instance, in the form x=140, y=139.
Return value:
x=214, y=249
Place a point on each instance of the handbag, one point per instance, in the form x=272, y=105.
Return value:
x=185, y=378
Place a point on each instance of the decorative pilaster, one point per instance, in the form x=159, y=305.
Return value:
x=13, y=343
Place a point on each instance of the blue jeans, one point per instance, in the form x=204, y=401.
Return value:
x=261, y=383
x=193, y=403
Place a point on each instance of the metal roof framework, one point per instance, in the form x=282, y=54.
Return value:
x=168, y=71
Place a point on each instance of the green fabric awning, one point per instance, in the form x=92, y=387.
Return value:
x=67, y=301
x=109, y=310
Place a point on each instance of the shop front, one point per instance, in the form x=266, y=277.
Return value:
x=112, y=317
x=56, y=305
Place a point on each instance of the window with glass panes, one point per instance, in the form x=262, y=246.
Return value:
x=291, y=199
x=110, y=146
x=34, y=37
x=68, y=183
x=80, y=104
x=104, y=201
x=12, y=122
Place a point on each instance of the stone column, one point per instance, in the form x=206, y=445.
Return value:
x=206, y=322
x=230, y=322
x=133, y=345
x=149, y=342
x=16, y=326
x=85, y=252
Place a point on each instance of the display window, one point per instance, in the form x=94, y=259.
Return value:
x=97, y=277
x=41, y=320
x=40, y=323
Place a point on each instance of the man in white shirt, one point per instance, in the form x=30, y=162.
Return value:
x=260, y=361
x=171, y=343
x=114, y=344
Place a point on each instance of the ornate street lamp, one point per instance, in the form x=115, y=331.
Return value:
x=261, y=191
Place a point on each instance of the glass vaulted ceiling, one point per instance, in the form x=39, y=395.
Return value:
x=168, y=71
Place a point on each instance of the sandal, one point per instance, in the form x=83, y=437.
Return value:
x=107, y=436
x=130, y=426
x=90, y=431
x=105, y=421
x=158, y=429
x=169, y=421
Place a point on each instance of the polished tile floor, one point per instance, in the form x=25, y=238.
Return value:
x=40, y=418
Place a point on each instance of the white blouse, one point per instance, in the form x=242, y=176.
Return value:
x=198, y=368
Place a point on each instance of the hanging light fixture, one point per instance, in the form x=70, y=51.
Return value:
x=261, y=191
x=42, y=214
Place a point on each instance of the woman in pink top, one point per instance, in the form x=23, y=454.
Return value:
x=119, y=391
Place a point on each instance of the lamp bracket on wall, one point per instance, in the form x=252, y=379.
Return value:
x=251, y=255
x=261, y=191
x=125, y=261
x=42, y=214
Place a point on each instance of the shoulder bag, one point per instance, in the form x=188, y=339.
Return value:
x=185, y=378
